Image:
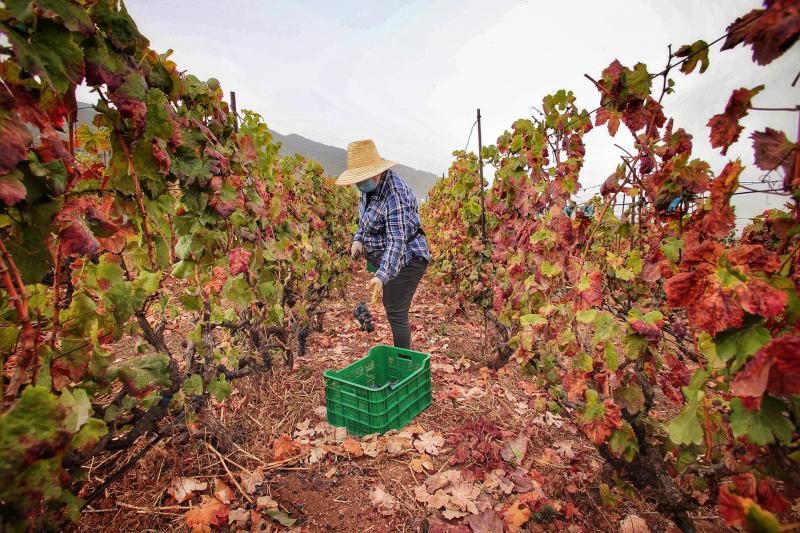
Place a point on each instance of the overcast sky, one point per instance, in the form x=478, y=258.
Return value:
x=410, y=74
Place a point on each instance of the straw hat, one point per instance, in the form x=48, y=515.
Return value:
x=363, y=162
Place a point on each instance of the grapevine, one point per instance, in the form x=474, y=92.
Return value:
x=662, y=304
x=159, y=210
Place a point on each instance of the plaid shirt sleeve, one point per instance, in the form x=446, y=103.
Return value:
x=396, y=222
x=361, y=204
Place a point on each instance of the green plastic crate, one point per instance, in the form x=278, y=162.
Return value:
x=382, y=391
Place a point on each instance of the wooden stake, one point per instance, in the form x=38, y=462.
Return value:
x=235, y=114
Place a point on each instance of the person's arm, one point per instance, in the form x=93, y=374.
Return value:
x=395, y=238
x=361, y=209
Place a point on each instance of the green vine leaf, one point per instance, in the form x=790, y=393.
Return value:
x=764, y=426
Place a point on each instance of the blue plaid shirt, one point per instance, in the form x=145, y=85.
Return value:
x=387, y=219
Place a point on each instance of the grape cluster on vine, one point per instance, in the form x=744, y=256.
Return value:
x=302, y=337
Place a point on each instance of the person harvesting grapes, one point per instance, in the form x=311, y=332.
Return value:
x=388, y=234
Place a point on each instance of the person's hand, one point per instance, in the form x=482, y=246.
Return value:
x=375, y=286
x=356, y=249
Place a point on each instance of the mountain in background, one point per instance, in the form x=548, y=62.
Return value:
x=331, y=158
x=334, y=161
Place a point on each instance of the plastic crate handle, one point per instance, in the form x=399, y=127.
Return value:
x=404, y=356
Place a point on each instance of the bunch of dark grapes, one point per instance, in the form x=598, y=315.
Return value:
x=364, y=317
x=302, y=335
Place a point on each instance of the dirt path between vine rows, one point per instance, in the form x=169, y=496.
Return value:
x=487, y=455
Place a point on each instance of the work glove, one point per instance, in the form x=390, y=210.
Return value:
x=375, y=286
x=356, y=249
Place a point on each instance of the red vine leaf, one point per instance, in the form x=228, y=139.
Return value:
x=591, y=294
x=725, y=126
x=218, y=277
x=717, y=310
x=607, y=116
x=651, y=332
x=741, y=511
x=772, y=149
x=774, y=369
x=770, y=32
x=753, y=257
x=161, y=155
x=700, y=254
x=238, y=261
x=599, y=419
x=75, y=238
x=678, y=142
x=247, y=150
x=720, y=219
x=731, y=506
x=11, y=190
x=14, y=143
x=684, y=288
x=770, y=498
x=648, y=113
x=760, y=298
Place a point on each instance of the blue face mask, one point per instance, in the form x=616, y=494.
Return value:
x=367, y=186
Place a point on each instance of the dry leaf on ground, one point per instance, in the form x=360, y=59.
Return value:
x=448, y=492
x=421, y=463
x=462, y=498
x=183, y=488
x=210, y=512
x=238, y=517
x=496, y=482
x=633, y=524
x=416, y=429
x=340, y=433
x=523, y=482
x=516, y=516
x=429, y=442
x=514, y=450
x=352, y=447
x=549, y=456
x=223, y=492
x=317, y=453
x=303, y=431
x=399, y=442
x=284, y=447
x=371, y=445
x=265, y=503
x=441, y=479
x=486, y=522
x=549, y=419
x=564, y=449
x=385, y=503
x=251, y=480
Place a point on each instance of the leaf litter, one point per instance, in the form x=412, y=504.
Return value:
x=473, y=459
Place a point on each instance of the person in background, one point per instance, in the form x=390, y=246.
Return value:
x=388, y=234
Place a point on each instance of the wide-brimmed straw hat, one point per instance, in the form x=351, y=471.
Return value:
x=363, y=162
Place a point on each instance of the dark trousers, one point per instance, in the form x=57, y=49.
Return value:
x=397, y=296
